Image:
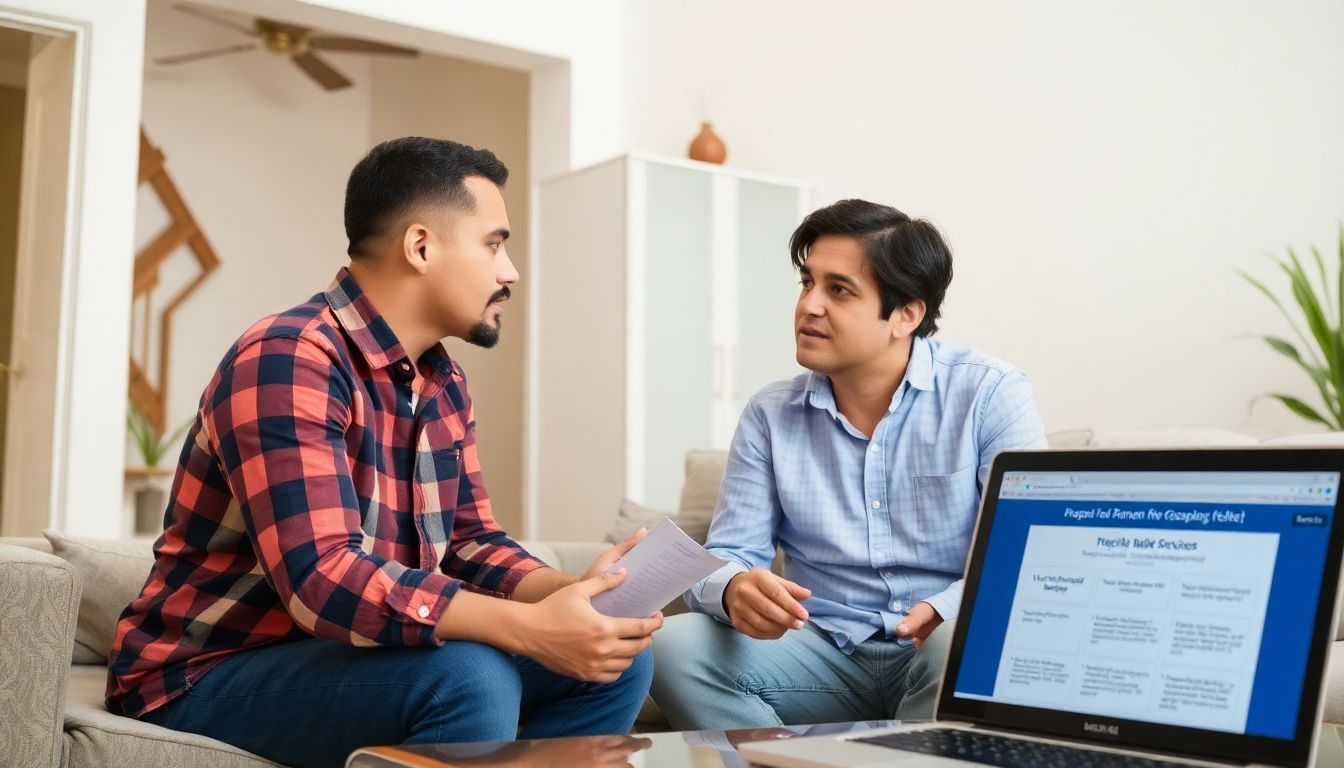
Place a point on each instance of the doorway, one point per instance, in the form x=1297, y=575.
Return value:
x=37, y=74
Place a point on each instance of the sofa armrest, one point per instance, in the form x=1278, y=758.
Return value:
x=39, y=601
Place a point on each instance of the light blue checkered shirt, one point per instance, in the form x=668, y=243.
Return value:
x=870, y=526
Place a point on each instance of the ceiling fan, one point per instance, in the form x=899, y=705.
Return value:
x=300, y=44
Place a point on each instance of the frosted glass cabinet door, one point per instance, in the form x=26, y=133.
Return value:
x=677, y=317
x=767, y=286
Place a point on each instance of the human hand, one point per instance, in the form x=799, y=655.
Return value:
x=763, y=605
x=566, y=635
x=919, y=623
x=609, y=557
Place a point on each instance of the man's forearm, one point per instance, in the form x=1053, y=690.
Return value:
x=483, y=619
x=539, y=584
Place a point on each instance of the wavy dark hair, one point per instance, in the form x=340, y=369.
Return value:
x=908, y=256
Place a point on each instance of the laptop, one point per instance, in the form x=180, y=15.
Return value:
x=1131, y=608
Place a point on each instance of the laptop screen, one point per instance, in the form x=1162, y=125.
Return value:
x=1186, y=599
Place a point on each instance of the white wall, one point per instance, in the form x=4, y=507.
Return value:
x=1101, y=169
x=261, y=155
x=91, y=412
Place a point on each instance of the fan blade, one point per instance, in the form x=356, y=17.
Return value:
x=333, y=43
x=271, y=25
x=325, y=74
x=184, y=58
x=213, y=19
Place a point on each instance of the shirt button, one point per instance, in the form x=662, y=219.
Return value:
x=423, y=612
x=875, y=448
x=877, y=504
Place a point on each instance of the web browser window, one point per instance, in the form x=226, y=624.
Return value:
x=1182, y=598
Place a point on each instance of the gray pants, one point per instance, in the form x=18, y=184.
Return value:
x=708, y=675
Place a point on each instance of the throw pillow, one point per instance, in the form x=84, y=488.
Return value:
x=700, y=491
x=1069, y=438
x=111, y=574
x=629, y=518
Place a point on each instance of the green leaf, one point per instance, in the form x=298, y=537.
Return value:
x=1339, y=287
x=1311, y=309
x=1325, y=283
x=1283, y=311
x=1317, y=375
x=1302, y=409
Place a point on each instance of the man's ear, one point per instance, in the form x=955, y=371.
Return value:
x=413, y=245
x=904, y=320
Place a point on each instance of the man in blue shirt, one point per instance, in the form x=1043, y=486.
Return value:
x=866, y=472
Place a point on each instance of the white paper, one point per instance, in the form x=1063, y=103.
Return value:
x=665, y=563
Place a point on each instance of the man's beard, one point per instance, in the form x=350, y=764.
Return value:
x=484, y=334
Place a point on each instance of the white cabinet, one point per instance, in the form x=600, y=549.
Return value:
x=663, y=300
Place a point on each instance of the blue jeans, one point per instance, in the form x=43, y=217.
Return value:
x=708, y=675
x=313, y=702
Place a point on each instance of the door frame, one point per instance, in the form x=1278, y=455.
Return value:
x=80, y=39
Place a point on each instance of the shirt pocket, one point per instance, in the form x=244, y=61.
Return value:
x=438, y=473
x=945, y=512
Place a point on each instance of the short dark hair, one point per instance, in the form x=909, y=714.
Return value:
x=908, y=256
x=400, y=174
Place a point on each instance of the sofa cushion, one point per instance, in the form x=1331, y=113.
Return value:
x=631, y=516
x=1169, y=438
x=1069, y=438
x=96, y=737
x=700, y=491
x=1309, y=440
x=112, y=573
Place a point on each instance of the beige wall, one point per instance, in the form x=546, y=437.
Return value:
x=483, y=106
x=11, y=161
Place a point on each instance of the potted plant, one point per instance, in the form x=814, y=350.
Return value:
x=1319, y=311
x=151, y=497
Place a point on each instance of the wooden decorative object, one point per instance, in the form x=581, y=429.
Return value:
x=151, y=397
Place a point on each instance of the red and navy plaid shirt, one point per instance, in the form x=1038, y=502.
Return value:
x=311, y=500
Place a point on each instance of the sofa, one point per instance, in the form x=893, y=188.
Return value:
x=60, y=596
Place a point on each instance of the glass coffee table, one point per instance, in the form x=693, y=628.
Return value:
x=698, y=749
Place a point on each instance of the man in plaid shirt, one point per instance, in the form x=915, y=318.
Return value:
x=330, y=574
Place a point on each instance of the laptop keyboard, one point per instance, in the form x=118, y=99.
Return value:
x=988, y=749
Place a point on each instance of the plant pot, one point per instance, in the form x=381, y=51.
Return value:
x=151, y=503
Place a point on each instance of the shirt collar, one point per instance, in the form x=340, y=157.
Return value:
x=919, y=371
x=355, y=312
x=918, y=375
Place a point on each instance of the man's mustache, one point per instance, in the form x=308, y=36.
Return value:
x=502, y=294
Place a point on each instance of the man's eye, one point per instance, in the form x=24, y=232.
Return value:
x=494, y=246
x=839, y=290
x=805, y=283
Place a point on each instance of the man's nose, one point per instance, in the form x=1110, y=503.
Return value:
x=811, y=305
x=508, y=274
